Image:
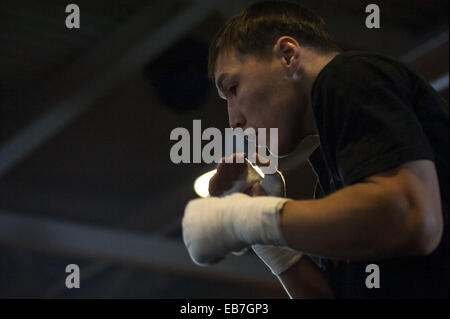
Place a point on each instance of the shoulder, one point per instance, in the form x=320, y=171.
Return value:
x=355, y=70
x=362, y=65
x=363, y=59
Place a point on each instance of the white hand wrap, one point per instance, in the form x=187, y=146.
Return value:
x=214, y=227
x=278, y=259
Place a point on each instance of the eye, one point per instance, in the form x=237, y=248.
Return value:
x=233, y=89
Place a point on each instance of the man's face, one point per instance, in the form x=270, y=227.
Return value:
x=259, y=94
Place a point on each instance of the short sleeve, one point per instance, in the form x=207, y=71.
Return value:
x=366, y=120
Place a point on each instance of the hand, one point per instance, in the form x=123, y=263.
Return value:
x=257, y=190
x=232, y=176
x=214, y=227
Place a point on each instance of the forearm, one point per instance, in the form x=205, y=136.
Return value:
x=305, y=280
x=359, y=221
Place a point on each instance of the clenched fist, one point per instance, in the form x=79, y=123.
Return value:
x=232, y=177
x=213, y=227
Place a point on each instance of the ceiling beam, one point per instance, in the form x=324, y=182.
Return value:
x=77, y=240
x=123, y=53
x=430, y=60
x=423, y=49
x=441, y=83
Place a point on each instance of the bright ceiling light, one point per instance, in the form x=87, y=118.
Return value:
x=201, y=184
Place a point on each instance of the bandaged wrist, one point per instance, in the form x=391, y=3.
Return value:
x=256, y=220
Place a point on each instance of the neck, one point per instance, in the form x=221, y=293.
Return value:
x=313, y=64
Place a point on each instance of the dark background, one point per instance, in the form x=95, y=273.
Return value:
x=85, y=119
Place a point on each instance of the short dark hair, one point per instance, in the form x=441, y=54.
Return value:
x=255, y=30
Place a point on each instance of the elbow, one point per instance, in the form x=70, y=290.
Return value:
x=417, y=230
x=424, y=231
x=412, y=207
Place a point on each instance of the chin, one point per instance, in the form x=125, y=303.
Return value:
x=282, y=150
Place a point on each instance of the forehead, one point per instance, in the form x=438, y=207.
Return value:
x=229, y=61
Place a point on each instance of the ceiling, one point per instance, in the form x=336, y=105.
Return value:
x=85, y=120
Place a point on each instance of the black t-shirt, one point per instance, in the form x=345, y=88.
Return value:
x=374, y=114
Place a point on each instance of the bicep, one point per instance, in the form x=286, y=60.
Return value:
x=414, y=186
x=416, y=180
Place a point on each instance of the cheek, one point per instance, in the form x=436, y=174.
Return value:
x=259, y=102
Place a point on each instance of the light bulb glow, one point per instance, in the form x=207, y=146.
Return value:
x=201, y=184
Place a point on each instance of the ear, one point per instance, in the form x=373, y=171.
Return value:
x=288, y=51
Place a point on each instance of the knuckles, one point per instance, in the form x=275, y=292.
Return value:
x=227, y=173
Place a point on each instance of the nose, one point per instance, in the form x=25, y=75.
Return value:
x=235, y=117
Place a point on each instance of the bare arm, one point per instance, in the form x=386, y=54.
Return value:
x=395, y=213
x=305, y=280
